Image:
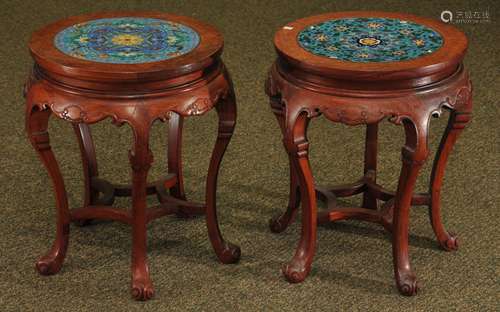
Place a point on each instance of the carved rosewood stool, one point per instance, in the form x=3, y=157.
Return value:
x=360, y=68
x=135, y=68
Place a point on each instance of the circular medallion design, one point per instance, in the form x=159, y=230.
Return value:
x=369, y=39
x=127, y=40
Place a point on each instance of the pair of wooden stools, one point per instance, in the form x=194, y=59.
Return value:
x=352, y=67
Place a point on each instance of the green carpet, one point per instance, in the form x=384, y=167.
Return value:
x=353, y=265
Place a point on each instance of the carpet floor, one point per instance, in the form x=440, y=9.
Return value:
x=353, y=264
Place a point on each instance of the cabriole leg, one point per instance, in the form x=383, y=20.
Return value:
x=280, y=222
x=141, y=159
x=414, y=154
x=226, y=110
x=456, y=123
x=298, y=146
x=36, y=127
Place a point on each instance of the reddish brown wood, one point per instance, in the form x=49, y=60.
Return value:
x=371, y=75
x=297, y=146
x=370, y=201
x=183, y=207
x=89, y=163
x=414, y=154
x=104, y=212
x=109, y=190
x=139, y=77
x=327, y=196
x=280, y=222
x=303, y=86
x=36, y=126
x=456, y=124
x=84, y=92
x=342, y=213
x=226, y=110
x=169, y=206
x=175, y=154
x=89, y=160
x=383, y=194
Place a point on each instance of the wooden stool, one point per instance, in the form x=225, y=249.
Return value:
x=359, y=68
x=135, y=68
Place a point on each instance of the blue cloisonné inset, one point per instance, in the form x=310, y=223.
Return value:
x=127, y=40
x=370, y=39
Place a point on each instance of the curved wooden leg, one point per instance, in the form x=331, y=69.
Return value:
x=89, y=163
x=141, y=159
x=414, y=154
x=300, y=265
x=370, y=201
x=280, y=222
x=175, y=123
x=456, y=124
x=226, y=110
x=36, y=127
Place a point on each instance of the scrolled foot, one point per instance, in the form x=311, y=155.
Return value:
x=48, y=265
x=295, y=273
x=279, y=223
x=451, y=243
x=408, y=285
x=142, y=291
x=230, y=253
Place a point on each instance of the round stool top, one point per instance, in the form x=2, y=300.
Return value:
x=371, y=45
x=126, y=46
